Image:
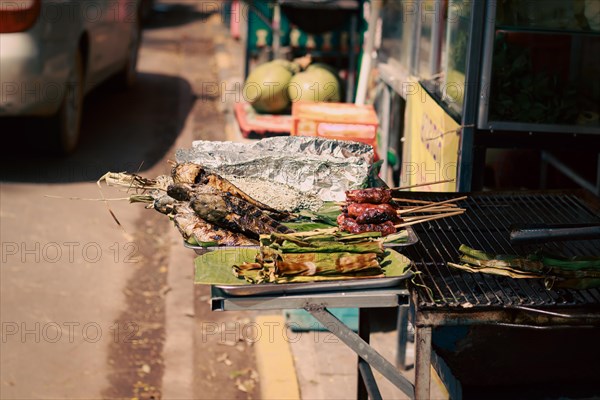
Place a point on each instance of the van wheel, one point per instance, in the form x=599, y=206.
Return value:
x=67, y=120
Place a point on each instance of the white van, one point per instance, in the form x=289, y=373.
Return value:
x=52, y=52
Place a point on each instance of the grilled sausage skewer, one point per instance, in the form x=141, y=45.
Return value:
x=371, y=195
x=349, y=224
x=366, y=213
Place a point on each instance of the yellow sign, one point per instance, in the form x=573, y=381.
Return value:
x=431, y=143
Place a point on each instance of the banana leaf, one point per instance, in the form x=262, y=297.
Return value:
x=535, y=261
x=569, y=269
x=215, y=267
x=330, y=247
x=520, y=264
x=306, y=226
x=585, y=283
x=398, y=237
x=572, y=264
x=326, y=215
x=495, y=271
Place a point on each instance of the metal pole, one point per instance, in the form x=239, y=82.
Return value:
x=360, y=347
x=402, y=328
x=422, y=362
x=367, y=57
x=470, y=106
x=364, y=331
x=352, y=61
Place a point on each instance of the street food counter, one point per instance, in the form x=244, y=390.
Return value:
x=275, y=230
x=441, y=297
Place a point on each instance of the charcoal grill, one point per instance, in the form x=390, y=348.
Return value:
x=444, y=296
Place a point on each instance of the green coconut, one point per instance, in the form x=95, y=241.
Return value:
x=323, y=66
x=315, y=85
x=266, y=87
x=331, y=69
x=291, y=66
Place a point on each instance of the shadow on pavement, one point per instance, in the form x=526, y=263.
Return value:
x=121, y=131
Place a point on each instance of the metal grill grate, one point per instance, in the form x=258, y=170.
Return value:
x=486, y=226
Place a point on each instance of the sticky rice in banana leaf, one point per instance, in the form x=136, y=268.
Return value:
x=312, y=264
x=215, y=268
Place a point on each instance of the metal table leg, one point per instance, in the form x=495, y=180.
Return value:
x=422, y=362
x=366, y=375
x=364, y=331
x=402, y=328
x=362, y=348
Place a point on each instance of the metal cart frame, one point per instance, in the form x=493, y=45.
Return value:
x=317, y=305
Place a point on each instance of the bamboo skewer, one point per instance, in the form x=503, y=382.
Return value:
x=428, y=218
x=420, y=202
x=422, y=184
x=443, y=207
x=437, y=211
x=413, y=201
x=425, y=207
x=423, y=217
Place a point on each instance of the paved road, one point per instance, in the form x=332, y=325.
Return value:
x=84, y=302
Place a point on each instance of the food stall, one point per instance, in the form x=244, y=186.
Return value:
x=276, y=231
x=475, y=273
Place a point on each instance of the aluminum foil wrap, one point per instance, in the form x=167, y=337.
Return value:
x=322, y=166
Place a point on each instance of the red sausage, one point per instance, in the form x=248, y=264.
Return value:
x=366, y=213
x=371, y=195
x=349, y=224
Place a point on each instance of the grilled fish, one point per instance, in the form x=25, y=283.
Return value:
x=235, y=214
x=192, y=226
x=194, y=175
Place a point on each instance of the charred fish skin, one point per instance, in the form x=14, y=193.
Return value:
x=210, y=207
x=235, y=214
x=253, y=217
x=187, y=173
x=202, y=231
x=179, y=192
x=185, y=192
x=213, y=209
x=164, y=204
x=190, y=225
x=194, y=175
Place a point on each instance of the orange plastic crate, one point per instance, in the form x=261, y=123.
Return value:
x=341, y=121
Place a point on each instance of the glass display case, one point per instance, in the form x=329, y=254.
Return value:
x=398, y=30
x=540, y=67
x=457, y=39
x=512, y=73
x=412, y=40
